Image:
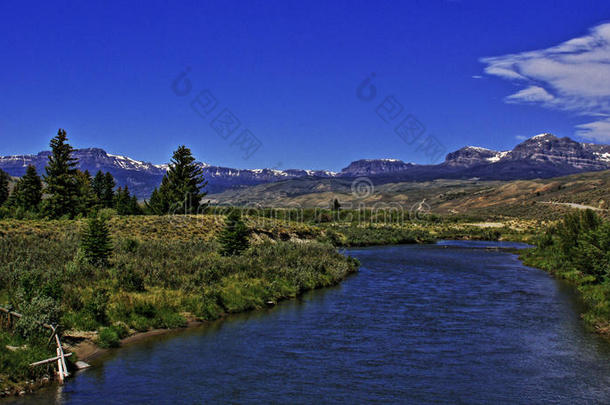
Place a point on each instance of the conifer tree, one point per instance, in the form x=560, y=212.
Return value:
x=62, y=185
x=181, y=189
x=134, y=207
x=4, y=192
x=87, y=198
x=122, y=201
x=233, y=238
x=97, y=185
x=96, y=243
x=108, y=193
x=157, y=203
x=28, y=190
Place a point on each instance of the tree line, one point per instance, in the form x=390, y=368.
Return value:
x=64, y=191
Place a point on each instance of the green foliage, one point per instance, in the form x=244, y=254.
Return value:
x=107, y=197
x=234, y=237
x=27, y=193
x=375, y=235
x=126, y=204
x=108, y=337
x=36, y=312
x=97, y=305
x=61, y=180
x=578, y=249
x=4, y=179
x=129, y=278
x=96, y=242
x=181, y=188
x=14, y=364
x=86, y=197
x=98, y=187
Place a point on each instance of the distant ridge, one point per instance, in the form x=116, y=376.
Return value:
x=541, y=156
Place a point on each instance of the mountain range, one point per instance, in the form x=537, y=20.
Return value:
x=542, y=156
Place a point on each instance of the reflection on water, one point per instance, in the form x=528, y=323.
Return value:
x=444, y=323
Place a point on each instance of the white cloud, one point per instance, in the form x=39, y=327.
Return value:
x=572, y=76
x=532, y=94
x=476, y=76
x=521, y=137
x=598, y=130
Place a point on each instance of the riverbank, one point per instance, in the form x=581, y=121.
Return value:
x=577, y=250
x=167, y=273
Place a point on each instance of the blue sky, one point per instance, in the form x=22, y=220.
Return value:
x=471, y=72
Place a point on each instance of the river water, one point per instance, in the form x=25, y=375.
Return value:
x=456, y=322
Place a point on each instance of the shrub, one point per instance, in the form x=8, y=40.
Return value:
x=108, y=338
x=129, y=279
x=37, y=311
x=167, y=318
x=97, y=305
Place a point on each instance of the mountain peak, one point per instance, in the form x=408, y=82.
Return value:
x=544, y=136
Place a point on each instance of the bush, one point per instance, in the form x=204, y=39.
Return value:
x=97, y=305
x=129, y=279
x=167, y=318
x=36, y=312
x=108, y=338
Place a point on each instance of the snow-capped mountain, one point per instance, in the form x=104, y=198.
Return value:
x=143, y=177
x=543, y=155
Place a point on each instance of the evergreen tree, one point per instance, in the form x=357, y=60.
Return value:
x=62, y=185
x=28, y=190
x=96, y=242
x=233, y=238
x=134, y=206
x=87, y=198
x=181, y=190
x=122, y=201
x=4, y=192
x=336, y=205
x=108, y=193
x=157, y=204
x=97, y=185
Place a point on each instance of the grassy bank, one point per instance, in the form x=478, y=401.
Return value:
x=160, y=276
x=165, y=271
x=578, y=250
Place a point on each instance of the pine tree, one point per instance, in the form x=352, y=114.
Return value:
x=96, y=243
x=108, y=193
x=28, y=190
x=4, y=192
x=336, y=205
x=157, y=203
x=233, y=238
x=182, y=190
x=97, y=185
x=62, y=185
x=122, y=200
x=87, y=198
x=134, y=207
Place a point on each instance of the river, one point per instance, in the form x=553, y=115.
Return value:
x=456, y=322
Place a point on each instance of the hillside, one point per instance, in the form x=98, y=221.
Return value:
x=527, y=198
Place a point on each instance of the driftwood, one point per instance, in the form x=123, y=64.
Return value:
x=51, y=360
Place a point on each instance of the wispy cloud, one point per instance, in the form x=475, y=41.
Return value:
x=572, y=76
